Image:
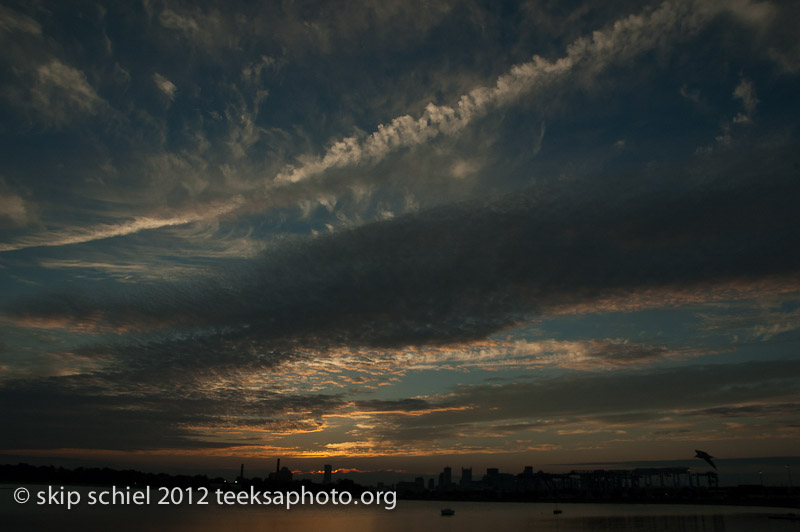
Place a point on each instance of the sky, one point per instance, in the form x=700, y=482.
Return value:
x=394, y=236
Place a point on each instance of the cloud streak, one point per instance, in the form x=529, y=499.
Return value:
x=622, y=41
x=78, y=235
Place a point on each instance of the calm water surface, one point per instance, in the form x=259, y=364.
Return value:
x=407, y=515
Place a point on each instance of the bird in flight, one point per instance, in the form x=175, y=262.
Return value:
x=705, y=456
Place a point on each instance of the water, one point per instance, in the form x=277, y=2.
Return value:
x=408, y=515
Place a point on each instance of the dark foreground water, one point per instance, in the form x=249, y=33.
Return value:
x=407, y=515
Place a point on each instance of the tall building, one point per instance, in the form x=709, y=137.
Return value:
x=446, y=478
x=326, y=479
x=466, y=475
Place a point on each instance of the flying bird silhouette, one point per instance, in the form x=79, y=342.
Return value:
x=705, y=456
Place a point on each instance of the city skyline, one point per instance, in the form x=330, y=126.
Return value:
x=394, y=236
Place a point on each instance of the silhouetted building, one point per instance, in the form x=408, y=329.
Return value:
x=431, y=485
x=326, y=479
x=501, y=482
x=466, y=475
x=418, y=486
x=281, y=474
x=446, y=478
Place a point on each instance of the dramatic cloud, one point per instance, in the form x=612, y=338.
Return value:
x=481, y=267
x=623, y=41
x=399, y=231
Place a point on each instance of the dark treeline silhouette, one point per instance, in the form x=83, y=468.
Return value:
x=94, y=476
x=25, y=473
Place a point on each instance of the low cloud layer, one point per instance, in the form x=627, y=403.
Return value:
x=465, y=271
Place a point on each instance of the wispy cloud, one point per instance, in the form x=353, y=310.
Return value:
x=165, y=86
x=762, y=322
x=745, y=92
x=77, y=235
x=11, y=21
x=172, y=20
x=14, y=209
x=62, y=93
x=368, y=369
